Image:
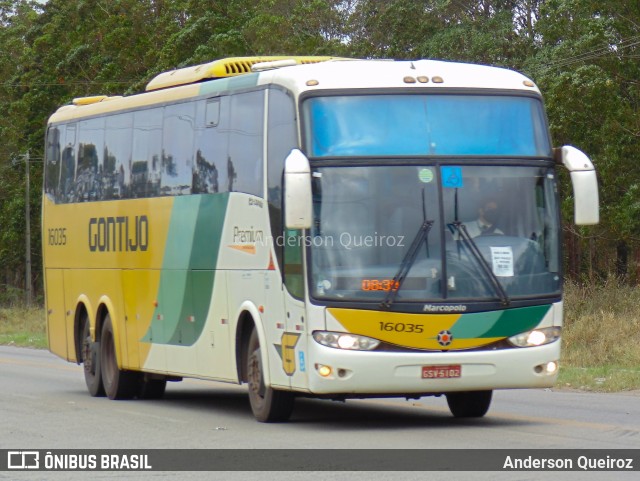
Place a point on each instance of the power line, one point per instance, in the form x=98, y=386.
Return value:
x=587, y=56
x=591, y=55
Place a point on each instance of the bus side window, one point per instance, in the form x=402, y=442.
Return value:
x=90, y=153
x=211, y=146
x=282, y=137
x=177, y=149
x=116, y=178
x=245, y=162
x=66, y=188
x=52, y=161
x=146, y=152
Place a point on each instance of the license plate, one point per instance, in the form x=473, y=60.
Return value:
x=441, y=372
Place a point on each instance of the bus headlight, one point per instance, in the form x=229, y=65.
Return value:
x=536, y=337
x=343, y=340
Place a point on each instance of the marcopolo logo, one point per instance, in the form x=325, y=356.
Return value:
x=444, y=308
x=23, y=460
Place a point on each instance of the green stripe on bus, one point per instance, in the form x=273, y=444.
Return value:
x=499, y=323
x=472, y=326
x=188, y=270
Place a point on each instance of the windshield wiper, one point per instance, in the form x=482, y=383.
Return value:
x=473, y=247
x=407, y=262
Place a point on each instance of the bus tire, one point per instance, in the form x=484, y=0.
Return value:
x=472, y=404
x=91, y=361
x=151, y=388
x=268, y=405
x=118, y=384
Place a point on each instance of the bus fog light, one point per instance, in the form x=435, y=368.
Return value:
x=324, y=371
x=343, y=340
x=536, y=337
x=548, y=368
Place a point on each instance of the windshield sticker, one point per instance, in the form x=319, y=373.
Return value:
x=425, y=175
x=502, y=260
x=452, y=177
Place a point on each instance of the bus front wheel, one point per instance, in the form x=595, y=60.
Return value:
x=268, y=405
x=118, y=384
x=151, y=388
x=472, y=404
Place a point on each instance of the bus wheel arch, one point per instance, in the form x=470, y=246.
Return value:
x=243, y=331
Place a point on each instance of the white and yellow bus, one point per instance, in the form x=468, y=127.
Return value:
x=311, y=227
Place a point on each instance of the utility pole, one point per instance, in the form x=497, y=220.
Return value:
x=28, y=235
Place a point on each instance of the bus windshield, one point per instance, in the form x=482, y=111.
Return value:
x=365, y=220
x=434, y=125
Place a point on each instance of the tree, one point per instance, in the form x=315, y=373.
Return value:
x=587, y=66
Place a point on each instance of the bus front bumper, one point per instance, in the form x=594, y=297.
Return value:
x=337, y=371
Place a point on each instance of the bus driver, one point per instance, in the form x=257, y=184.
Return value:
x=485, y=224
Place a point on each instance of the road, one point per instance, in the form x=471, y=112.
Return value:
x=44, y=405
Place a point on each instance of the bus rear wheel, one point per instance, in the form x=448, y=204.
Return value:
x=472, y=404
x=118, y=384
x=91, y=361
x=268, y=405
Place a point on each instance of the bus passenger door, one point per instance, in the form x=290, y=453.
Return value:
x=294, y=340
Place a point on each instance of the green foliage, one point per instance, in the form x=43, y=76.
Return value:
x=295, y=27
x=582, y=53
x=588, y=69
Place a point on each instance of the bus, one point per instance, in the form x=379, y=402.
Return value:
x=305, y=226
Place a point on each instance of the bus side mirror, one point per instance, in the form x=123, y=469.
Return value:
x=585, y=184
x=297, y=191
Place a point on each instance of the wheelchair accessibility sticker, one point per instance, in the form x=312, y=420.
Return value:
x=452, y=177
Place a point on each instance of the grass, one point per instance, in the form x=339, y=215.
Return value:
x=23, y=327
x=601, y=336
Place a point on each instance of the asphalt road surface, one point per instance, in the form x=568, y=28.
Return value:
x=44, y=405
